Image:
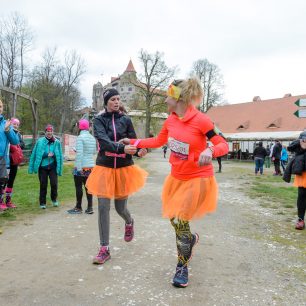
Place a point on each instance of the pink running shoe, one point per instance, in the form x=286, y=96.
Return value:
x=3, y=206
x=129, y=231
x=300, y=224
x=10, y=205
x=102, y=256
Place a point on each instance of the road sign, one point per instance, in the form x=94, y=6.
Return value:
x=301, y=102
x=301, y=113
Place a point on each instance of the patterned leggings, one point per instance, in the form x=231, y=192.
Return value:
x=183, y=240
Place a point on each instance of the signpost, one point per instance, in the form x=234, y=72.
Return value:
x=300, y=102
x=301, y=113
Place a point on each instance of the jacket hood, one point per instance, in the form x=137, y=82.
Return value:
x=190, y=113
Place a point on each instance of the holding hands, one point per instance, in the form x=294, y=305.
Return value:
x=131, y=148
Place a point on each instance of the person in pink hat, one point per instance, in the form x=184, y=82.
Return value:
x=86, y=149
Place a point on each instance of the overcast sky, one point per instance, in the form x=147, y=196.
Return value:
x=259, y=45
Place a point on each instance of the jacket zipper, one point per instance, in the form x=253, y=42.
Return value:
x=115, y=138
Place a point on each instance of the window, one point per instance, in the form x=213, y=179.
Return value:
x=130, y=88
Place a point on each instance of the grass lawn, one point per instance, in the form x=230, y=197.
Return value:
x=26, y=193
x=277, y=193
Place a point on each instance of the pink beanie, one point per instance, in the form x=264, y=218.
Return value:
x=15, y=121
x=83, y=124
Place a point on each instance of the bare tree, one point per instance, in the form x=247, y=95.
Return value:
x=156, y=76
x=73, y=69
x=54, y=83
x=212, y=80
x=15, y=41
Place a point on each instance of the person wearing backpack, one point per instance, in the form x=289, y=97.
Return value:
x=16, y=158
x=7, y=136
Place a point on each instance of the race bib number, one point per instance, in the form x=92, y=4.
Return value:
x=178, y=148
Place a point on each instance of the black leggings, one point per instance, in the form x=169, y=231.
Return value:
x=301, y=202
x=43, y=175
x=79, y=181
x=12, y=176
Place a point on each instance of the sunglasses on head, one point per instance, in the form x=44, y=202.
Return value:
x=177, y=82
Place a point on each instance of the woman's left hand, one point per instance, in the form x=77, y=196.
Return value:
x=205, y=157
x=142, y=152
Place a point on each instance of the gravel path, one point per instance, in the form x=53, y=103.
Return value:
x=47, y=260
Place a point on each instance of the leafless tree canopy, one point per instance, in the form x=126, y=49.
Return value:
x=155, y=77
x=212, y=80
x=15, y=41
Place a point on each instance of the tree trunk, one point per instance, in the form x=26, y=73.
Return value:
x=148, y=115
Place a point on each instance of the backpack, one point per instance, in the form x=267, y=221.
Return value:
x=16, y=155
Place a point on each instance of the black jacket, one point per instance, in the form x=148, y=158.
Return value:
x=260, y=152
x=297, y=165
x=109, y=128
x=277, y=151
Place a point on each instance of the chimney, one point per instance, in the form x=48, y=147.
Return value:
x=256, y=99
x=287, y=95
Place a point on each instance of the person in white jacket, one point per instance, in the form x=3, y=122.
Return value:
x=86, y=149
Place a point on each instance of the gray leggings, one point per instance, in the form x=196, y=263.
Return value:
x=103, y=217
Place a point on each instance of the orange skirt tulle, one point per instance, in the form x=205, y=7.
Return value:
x=300, y=180
x=116, y=183
x=190, y=199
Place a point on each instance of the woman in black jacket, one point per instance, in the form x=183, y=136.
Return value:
x=115, y=176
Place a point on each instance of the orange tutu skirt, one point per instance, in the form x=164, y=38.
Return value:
x=190, y=199
x=116, y=183
x=300, y=180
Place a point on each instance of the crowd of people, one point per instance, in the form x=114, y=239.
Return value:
x=190, y=190
x=275, y=152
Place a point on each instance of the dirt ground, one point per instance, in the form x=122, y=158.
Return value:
x=47, y=260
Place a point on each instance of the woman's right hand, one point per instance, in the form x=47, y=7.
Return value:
x=130, y=149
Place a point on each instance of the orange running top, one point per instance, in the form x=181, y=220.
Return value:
x=186, y=138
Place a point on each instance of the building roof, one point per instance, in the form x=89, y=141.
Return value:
x=272, y=115
x=130, y=67
x=254, y=136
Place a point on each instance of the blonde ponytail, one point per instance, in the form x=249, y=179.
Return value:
x=191, y=90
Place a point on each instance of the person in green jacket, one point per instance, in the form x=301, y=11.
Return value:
x=47, y=160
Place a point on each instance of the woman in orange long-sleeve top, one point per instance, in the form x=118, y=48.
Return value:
x=190, y=191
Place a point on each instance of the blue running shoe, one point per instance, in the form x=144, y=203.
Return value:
x=55, y=203
x=194, y=242
x=180, y=278
x=74, y=211
x=43, y=206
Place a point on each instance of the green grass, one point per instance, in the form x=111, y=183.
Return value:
x=275, y=191
x=26, y=193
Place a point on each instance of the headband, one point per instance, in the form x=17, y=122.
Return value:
x=174, y=92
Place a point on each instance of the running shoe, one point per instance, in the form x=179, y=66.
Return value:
x=102, y=256
x=300, y=224
x=129, y=231
x=180, y=278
